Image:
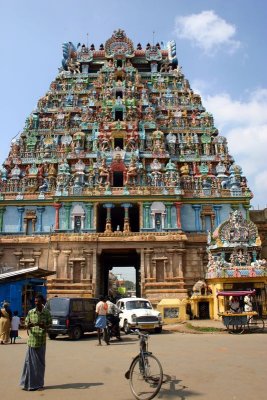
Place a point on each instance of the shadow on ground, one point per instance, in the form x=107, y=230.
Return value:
x=172, y=388
x=74, y=385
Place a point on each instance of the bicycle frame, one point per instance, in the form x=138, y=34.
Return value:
x=143, y=351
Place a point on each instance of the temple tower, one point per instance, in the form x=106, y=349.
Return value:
x=119, y=164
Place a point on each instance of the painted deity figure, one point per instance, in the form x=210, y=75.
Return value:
x=171, y=142
x=104, y=141
x=103, y=173
x=131, y=173
x=158, y=144
x=132, y=141
x=184, y=169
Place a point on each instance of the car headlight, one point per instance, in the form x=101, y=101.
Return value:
x=134, y=317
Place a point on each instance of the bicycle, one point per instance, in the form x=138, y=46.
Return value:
x=145, y=372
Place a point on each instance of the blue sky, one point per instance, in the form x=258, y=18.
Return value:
x=220, y=45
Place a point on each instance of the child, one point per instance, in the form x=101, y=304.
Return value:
x=15, y=322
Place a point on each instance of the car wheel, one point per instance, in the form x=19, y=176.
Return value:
x=75, y=333
x=52, y=336
x=158, y=330
x=126, y=327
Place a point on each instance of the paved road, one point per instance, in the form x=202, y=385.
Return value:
x=206, y=366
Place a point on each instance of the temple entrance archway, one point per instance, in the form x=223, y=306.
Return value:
x=110, y=259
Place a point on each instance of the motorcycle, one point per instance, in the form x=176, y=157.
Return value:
x=113, y=327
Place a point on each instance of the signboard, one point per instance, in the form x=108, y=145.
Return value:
x=171, y=312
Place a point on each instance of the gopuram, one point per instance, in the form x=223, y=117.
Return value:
x=120, y=164
x=234, y=263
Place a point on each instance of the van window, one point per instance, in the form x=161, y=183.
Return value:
x=58, y=304
x=77, y=306
x=88, y=306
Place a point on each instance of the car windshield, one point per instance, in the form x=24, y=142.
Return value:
x=136, y=304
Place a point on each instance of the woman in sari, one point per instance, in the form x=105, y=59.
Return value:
x=5, y=323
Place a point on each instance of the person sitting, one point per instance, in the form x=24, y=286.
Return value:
x=234, y=304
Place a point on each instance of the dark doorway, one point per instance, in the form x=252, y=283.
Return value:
x=77, y=223
x=117, y=218
x=118, y=115
x=134, y=218
x=119, y=93
x=118, y=179
x=117, y=258
x=101, y=218
x=203, y=310
x=119, y=63
x=118, y=142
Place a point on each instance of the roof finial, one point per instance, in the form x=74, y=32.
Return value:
x=153, y=37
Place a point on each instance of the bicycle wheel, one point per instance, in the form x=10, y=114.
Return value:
x=146, y=377
x=255, y=324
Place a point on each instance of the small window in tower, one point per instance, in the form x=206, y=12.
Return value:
x=118, y=142
x=77, y=223
x=119, y=94
x=118, y=179
x=119, y=63
x=118, y=115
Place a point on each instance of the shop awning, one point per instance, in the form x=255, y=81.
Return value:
x=236, y=293
x=27, y=273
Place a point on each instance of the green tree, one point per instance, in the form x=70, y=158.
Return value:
x=129, y=285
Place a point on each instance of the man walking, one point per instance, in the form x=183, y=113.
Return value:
x=37, y=322
x=101, y=319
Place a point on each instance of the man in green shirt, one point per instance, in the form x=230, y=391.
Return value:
x=37, y=322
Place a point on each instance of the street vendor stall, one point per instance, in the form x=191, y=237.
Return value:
x=236, y=319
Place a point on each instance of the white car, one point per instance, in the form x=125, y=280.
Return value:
x=138, y=313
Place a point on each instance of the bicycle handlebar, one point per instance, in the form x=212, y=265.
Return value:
x=139, y=333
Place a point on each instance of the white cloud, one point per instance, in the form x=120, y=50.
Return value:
x=207, y=31
x=244, y=123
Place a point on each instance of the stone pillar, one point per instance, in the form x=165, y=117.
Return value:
x=83, y=270
x=2, y=211
x=153, y=270
x=126, y=223
x=217, y=210
x=169, y=271
x=66, y=267
x=108, y=227
x=55, y=261
x=247, y=207
x=168, y=215
x=89, y=207
x=40, y=211
x=57, y=207
x=18, y=254
x=89, y=263
x=36, y=255
x=197, y=208
x=21, y=211
x=146, y=208
x=147, y=263
x=178, y=262
x=67, y=207
x=178, y=206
